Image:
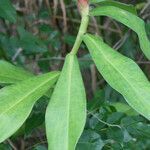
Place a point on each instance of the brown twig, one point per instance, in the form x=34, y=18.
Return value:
x=12, y=144
x=64, y=15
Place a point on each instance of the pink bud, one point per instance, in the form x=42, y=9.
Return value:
x=82, y=4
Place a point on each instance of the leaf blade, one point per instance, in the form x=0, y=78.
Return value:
x=127, y=7
x=16, y=101
x=30, y=43
x=122, y=74
x=11, y=74
x=128, y=19
x=67, y=103
x=7, y=11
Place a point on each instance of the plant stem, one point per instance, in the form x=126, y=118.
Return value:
x=82, y=30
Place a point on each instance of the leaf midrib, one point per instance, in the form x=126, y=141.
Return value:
x=69, y=96
x=32, y=91
x=116, y=69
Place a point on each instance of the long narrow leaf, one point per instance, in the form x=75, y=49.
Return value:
x=66, y=112
x=11, y=74
x=127, y=7
x=128, y=19
x=16, y=101
x=122, y=73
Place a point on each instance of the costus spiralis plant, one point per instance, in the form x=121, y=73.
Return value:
x=65, y=116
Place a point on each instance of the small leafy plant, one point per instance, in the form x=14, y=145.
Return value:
x=66, y=113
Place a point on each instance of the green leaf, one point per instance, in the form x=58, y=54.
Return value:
x=33, y=122
x=30, y=43
x=66, y=112
x=127, y=7
x=11, y=74
x=122, y=73
x=16, y=101
x=116, y=134
x=7, y=11
x=122, y=107
x=128, y=19
x=5, y=147
x=96, y=102
x=40, y=147
x=90, y=140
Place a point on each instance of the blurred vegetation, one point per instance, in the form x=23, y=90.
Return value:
x=37, y=35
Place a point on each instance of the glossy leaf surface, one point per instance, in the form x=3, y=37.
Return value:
x=16, y=101
x=124, y=6
x=122, y=73
x=12, y=74
x=128, y=19
x=66, y=112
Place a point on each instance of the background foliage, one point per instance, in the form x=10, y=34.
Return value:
x=37, y=35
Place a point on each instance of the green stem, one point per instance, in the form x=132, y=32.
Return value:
x=82, y=31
